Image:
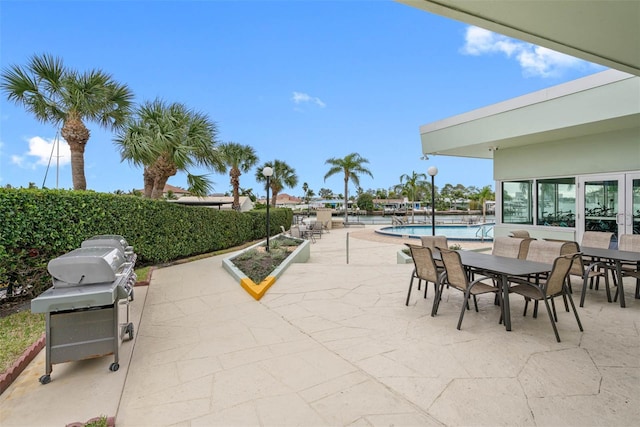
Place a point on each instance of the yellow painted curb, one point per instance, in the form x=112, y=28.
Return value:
x=257, y=291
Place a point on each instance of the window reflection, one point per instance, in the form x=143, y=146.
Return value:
x=557, y=202
x=517, y=202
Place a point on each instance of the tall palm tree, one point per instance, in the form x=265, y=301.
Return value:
x=239, y=159
x=483, y=195
x=167, y=138
x=62, y=96
x=412, y=183
x=352, y=165
x=283, y=176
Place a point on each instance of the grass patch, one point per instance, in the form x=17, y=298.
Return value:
x=17, y=333
x=142, y=273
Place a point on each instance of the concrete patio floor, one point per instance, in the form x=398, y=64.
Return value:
x=332, y=344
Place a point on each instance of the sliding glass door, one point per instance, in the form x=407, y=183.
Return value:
x=609, y=203
x=632, y=214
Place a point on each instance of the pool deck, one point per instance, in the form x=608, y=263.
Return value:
x=333, y=344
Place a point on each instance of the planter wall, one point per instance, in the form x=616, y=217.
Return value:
x=257, y=290
x=403, y=258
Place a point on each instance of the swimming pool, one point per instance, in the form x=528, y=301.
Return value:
x=453, y=232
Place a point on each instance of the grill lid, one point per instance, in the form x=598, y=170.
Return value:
x=84, y=266
x=108, y=240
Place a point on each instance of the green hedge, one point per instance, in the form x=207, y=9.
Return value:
x=38, y=225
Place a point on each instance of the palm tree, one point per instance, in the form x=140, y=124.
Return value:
x=61, y=96
x=239, y=159
x=283, y=176
x=352, y=165
x=247, y=192
x=484, y=195
x=412, y=182
x=167, y=138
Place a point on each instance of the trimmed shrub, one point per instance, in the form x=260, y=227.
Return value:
x=38, y=225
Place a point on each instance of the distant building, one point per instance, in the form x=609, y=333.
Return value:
x=219, y=202
x=285, y=200
x=176, y=191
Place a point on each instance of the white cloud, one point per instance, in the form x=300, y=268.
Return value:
x=299, y=98
x=534, y=60
x=43, y=150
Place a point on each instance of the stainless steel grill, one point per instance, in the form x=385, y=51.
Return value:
x=92, y=288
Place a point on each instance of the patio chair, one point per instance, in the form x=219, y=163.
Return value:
x=456, y=277
x=294, y=231
x=596, y=239
x=519, y=233
x=545, y=251
x=586, y=271
x=631, y=243
x=554, y=285
x=434, y=242
x=316, y=229
x=425, y=269
x=511, y=247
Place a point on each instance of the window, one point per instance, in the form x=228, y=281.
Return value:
x=517, y=202
x=557, y=202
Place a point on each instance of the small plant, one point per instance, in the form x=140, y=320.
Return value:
x=97, y=422
x=455, y=247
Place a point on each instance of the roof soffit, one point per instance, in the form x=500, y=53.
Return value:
x=605, y=32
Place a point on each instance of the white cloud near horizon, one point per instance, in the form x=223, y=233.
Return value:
x=41, y=150
x=300, y=97
x=534, y=60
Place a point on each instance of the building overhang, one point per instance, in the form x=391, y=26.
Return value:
x=595, y=104
x=605, y=32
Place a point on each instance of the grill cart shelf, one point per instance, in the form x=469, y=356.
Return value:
x=87, y=308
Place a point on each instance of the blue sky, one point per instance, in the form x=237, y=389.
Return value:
x=300, y=81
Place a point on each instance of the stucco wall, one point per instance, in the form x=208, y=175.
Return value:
x=606, y=152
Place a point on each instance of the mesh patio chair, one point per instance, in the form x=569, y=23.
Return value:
x=511, y=247
x=294, y=231
x=316, y=229
x=631, y=243
x=545, y=251
x=554, y=285
x=586, y=271
x=597, y=239
x=425, y=269
x=434, y=242
x=456, y=277
x=519, y=233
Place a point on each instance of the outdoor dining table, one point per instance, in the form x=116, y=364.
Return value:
x=504, y=268
x=618, y=257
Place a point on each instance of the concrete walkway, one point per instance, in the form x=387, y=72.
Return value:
x=332, y=344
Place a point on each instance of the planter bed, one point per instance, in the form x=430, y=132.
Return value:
x=257, y=290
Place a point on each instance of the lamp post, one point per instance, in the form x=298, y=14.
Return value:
x=268, y=172
x=433, y=171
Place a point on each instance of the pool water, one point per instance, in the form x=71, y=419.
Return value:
x=453, y=232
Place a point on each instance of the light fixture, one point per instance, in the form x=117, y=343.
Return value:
x=433, y=171
x=268, y=172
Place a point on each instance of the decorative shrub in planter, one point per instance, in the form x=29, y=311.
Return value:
x=404, y=256
x=257, y=270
